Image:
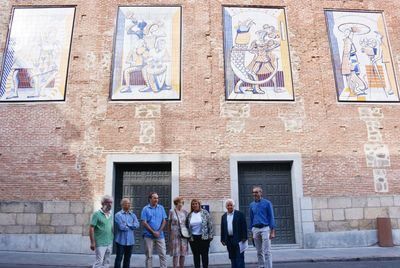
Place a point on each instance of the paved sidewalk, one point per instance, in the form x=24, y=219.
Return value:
x=279, y=256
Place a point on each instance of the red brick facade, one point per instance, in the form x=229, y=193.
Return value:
x=57, y=150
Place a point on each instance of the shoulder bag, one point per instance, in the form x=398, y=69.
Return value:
x=183, y=231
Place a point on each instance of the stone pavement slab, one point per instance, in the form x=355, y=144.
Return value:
x=279, y=256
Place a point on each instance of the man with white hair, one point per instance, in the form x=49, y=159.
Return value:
x=101, y=233
x=125, y=224
x=233, y=231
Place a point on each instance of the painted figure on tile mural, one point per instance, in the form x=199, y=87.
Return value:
x=136, y=61
x=264, y=61
x=40, y=72
x=350, y=63
x=148, y=56
x=260, y=49
x=155, y=72
x=372, y=47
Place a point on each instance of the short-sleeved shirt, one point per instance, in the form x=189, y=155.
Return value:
x=103, y=229
x=154, y=217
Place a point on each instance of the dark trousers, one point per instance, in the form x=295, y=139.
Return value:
x=199, y=248
x=237, y=258
x=125, y=252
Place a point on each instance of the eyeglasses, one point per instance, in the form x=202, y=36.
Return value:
x=255, y=192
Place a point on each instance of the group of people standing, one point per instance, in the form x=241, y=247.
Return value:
x=194, y=228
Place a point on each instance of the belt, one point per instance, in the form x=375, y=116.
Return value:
x=260, y=225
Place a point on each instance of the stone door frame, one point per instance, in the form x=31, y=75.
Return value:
x=296, y=177
x=112, y=159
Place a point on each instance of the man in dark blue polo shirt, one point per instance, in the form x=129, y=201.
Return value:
x=262, y=223
x=154, y=220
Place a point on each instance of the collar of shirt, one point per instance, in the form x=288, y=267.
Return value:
x=126, y=212
x=149, y=205
x=230, y=214
x=257, y=201
x=106, y=214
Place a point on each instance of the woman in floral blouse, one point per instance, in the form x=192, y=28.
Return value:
x=201, y=230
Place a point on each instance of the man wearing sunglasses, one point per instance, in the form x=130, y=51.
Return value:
x=262, y=223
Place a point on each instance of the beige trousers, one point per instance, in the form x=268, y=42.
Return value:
x=263, y=246
x=103, y=257
x=161, y=250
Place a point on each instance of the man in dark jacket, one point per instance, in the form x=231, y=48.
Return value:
x=233, y=231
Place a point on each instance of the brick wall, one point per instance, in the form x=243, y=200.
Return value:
x=57, y=151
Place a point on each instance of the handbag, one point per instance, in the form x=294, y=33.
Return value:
x=183, y=231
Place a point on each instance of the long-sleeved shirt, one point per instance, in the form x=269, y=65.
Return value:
x=262, y=214
x=229, y=220
x=125, y=223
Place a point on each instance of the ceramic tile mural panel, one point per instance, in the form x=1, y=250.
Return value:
x=36, y=57
x=361, y=56
x=147, y=54
x=257, y=61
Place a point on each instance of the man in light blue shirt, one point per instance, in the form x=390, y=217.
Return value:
x=125, y=223
x=262, y=223
x=154, y=220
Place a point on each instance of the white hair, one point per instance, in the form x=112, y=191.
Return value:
x=229, y=201
x=125, y=200
x=105, y=198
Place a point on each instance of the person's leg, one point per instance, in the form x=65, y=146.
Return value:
x=194, y=245
x=229, y=247
x=241, y=262
x=266, y=245
x=175, y=260
x=100, y=251
x=239, y=258
x=181, y=261
x=127, y=77
x=162, y=252
x=119, y=254
x=127, y=256
x=205, y=246
x=258, y=244
x=15, y=83
x=148, y=248
x=107, y=256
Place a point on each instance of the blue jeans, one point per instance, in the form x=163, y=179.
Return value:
x=237, y=258
x=125, y=252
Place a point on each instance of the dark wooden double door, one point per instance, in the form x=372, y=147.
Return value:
x=275, y=180
x=135, y=181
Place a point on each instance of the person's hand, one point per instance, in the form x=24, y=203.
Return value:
x=156, y=234
x=272, y=235
x=223, y=243
x=92, y=246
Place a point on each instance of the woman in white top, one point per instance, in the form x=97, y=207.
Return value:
x=201, y=230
